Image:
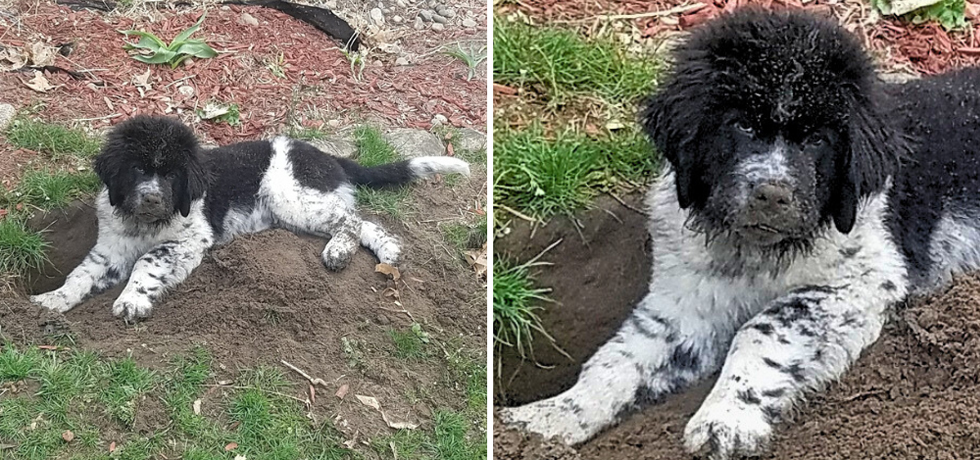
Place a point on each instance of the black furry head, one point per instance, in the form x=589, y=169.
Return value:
x=773, y=125
x=152, y=167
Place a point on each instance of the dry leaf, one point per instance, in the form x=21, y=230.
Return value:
x=112, y=446
x=197, y=407
x=399, y=425
x=240, y=457
x=67, y=435
x=312, y=394
x=234, y=425
x=388, y=270
x=478, y=260
x=43, y=55
x=342, y=391
x=449, y=150
x=369, y=401
x=12, y=58
x=39, y=83
x=231, y=446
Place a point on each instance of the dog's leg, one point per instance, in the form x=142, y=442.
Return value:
x=160, y=269
x=381, y=243
x=663, y=346
x=104, y=267
x=802, y=341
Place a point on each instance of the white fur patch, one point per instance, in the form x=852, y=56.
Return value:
x=429, y=166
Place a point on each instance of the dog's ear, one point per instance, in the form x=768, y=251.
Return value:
x=106, y=167
x=872, y=154
x=190, y=184
x=670, y=119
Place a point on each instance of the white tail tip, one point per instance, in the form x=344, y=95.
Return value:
x=428, y=166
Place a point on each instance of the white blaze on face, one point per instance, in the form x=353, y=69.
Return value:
x=766, y=167
x=150, y=187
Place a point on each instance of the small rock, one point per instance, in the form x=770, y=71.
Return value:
x=397, y=19
x=377, y=16
x=439, y=19
x=331, y=4
x=438, y=27
x=400, y=3
x=186, y=91
x=401, y=61
x=247, y=19
x=386, y=10
x=426, y=15
x=432, y=3
x=447, y=12
x=469, y=23
x=412, y=143
x=471, y=139
x=439, y=119
x=337, y=147
x=418, y=24
x=7, y=113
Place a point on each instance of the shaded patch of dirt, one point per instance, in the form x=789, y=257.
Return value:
x=912, y=395
x=267, y=297
x=150, y=415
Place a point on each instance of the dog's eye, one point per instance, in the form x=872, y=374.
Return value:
x=744, y=128
x=816, y=140
x=141, y=170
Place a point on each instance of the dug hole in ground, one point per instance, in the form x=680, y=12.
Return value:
x=913, y=394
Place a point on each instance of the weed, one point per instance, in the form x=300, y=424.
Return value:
x=55, y=140
x=470, y=56
x=515, y=313
x=951, y=14
x=159, y=52
x=21, y=249
x=544, y=176
x=566, y=64
x=307, y=134
x=357, y=61
x=353, y=352
x=464, y=236
x=276, y=66
x=124, y=384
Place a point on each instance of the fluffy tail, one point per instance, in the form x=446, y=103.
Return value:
x=402, y=172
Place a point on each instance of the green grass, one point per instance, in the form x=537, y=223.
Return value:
x=55, y=140
x=452, y=439
x=565, y=64
x=372, y=148
x=463, y=235
x=21, y=249
x=307, y=134
x=390, y=202
x=516, y=303
x=410, y=344
x=51, y=189
x=70, y=390
x=951, y=14
x=547, y=176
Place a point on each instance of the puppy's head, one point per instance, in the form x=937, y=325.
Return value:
x=772, y=124
x=153, y=168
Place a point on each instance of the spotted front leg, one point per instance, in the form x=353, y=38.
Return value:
x=160, y=269
x=802, y=341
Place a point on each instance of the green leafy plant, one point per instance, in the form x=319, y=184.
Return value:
x=472, y=57
x=220, y=112
x=153, y=50
x=951, y=14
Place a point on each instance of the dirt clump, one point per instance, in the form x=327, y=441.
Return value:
x=915, y=394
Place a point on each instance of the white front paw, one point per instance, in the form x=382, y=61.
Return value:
x=727, y=429
x=54, y=301
x=132, y=307
x=549, y=420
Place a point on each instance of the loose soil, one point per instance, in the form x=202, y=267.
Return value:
x=267, y=297
x=912, y=395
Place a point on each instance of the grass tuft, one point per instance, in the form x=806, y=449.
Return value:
x=21, y=249
x=55, y=140
x=547, y=176
x=390, y=202
x=52, y=189
x=372, y=148
x=565, y=64
x=515, y=313
x=410, y=344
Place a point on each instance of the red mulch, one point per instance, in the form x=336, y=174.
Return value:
x=317, y=73
x=926, y=48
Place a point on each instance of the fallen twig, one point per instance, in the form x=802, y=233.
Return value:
x=312, y=380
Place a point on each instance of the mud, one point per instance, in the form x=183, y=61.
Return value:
x=267, y=297
x=915, y=394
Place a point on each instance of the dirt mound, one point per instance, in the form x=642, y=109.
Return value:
x=267, y=297
x=915, y=394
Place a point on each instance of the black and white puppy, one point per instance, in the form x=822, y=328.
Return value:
x=804, y=197
x=166, y=202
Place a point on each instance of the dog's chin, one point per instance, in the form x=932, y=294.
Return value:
x=151, y=217
x=761, y=235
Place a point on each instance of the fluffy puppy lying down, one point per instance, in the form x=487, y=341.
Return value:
x=804, y=197
x=166, y=202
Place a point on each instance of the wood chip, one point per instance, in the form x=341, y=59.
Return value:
x=369, y=401
x=388, y=270
x=197, y=407
x=342, y=391
x=231, y=446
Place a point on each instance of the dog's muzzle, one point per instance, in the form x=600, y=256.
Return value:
x=771, y=213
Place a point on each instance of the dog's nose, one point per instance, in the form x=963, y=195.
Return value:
x=152, y=200
x=772, y=196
